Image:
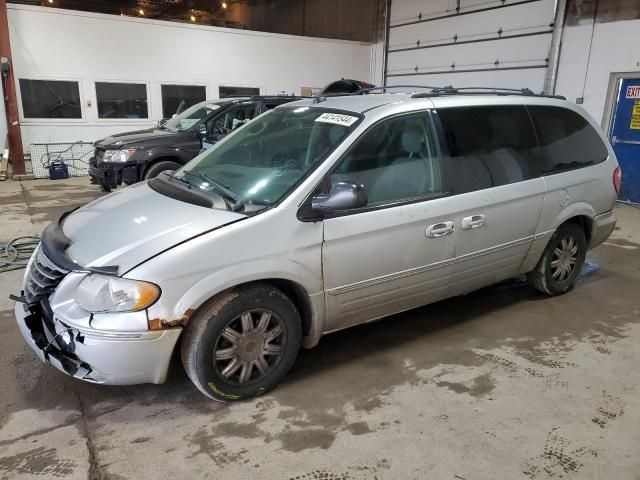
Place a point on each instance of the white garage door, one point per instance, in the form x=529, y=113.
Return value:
x=470, y=43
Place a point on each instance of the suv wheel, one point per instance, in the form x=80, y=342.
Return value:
x=242, y=343
x=157, y=168
x=561, y=261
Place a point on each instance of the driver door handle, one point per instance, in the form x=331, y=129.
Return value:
x=474, y=221
x=439, y=229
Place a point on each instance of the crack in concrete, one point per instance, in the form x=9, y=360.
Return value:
x=94, y=472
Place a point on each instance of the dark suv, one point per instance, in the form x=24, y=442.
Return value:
x=134, y=156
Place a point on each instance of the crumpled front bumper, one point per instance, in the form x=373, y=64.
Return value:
x=96, y=356
x=110, y=175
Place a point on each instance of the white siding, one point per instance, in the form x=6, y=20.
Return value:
x=614, y=49
x=61, y=44
x=528, y=51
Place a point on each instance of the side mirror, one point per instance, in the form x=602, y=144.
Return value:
x=202, y=130
x=343, y=196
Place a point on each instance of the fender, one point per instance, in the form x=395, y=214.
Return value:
x=542, y=238
x=574, y=210
x=160, y=152
x=173, y=312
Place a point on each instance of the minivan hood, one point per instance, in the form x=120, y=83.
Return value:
x=121, y=140
x=131, y=225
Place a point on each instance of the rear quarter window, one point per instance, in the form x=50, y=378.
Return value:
x=567, y=140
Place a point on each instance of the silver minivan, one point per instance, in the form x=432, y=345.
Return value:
x=316, y=216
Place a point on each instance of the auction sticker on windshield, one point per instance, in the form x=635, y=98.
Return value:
x=337, y=119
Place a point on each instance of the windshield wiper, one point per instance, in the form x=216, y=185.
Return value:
x=173, y=177
x=222, y=188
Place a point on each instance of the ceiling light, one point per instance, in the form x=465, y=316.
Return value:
x=141, y=12
x=193, y=19
x=224, y=4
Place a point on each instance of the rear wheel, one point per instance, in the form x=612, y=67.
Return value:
x=242, y=343
x=561, y=261
x=157, y=168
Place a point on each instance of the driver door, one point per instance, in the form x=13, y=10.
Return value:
x=396, y=253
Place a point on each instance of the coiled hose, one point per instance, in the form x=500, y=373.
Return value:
x=15, y=254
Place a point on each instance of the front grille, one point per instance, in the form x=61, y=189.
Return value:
x=42, y=278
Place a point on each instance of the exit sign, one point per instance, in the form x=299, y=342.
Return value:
x=633, y=92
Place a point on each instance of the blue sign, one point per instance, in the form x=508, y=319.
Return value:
x=625, y=137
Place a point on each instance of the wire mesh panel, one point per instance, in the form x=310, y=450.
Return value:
x=75, y=155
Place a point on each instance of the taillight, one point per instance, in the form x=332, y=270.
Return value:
x=617, y=179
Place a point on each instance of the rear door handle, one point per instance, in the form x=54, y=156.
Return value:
x=439, y=229
x=474, y=221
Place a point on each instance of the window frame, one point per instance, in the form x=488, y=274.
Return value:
x=134, y=121
x=181, y=84
x=324, y=184
x=227, y=85
x=48, y=121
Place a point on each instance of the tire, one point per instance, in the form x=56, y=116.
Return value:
x=222, y=326
x=157, y=168
x=567, y=249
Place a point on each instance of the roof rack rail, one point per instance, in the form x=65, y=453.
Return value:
x=441, y=91
x=322, y=97
x=450, y=90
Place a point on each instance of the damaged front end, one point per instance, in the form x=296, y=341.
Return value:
x=100, y=348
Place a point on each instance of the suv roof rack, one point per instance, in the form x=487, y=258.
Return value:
x=441, y=91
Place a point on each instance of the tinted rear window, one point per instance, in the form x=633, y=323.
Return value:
x=567, y=140
x=489, y=146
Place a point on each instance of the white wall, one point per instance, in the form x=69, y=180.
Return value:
x=61, y=44
x=614, y=49
x=525, y=51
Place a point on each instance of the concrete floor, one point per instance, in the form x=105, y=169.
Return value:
x=500, y=384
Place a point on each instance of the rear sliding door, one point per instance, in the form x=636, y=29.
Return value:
x=498, y=191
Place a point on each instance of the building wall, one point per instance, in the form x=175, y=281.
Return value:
x=69, y=45
x=594, y=45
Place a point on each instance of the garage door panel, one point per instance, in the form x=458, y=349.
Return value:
x=514, y=52
x=407, y=10
x=532, y=79
x=522, y=19
x=516, y=57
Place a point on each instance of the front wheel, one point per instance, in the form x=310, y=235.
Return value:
x=561, y=261
x=157, y=168
x=242, y=343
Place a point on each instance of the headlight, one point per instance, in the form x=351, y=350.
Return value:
x=102, y=293
x=118, y=155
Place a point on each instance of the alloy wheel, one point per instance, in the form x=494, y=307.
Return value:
x=249, y=347
x=564, y=259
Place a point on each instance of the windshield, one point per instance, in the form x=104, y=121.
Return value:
x=191, y=116
x=264, y=159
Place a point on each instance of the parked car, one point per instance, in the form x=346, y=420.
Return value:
x=134, y=156
x=318, y=215
x=346, y=86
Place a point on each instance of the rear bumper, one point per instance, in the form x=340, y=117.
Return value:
x=603, y=225
x=98, y=357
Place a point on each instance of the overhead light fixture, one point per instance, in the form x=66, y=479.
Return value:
x=224, y=4
x=141, y=12
x=193, y=19
x=50, y=1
